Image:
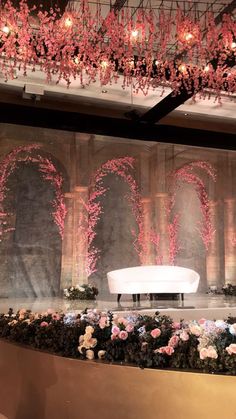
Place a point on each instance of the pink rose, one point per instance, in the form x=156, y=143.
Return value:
x=43, y=324
x=174, y=340
x=168, y=350
x=202, y=321
x=184, y=336
x=129, y=328
x=56, y=316
x=123, y=335
x=123, y=321
x=203, y=353
x=231, y=349
x=115, y=330
x=212, y=353
x=89, y=354
x=113, y=337
x=155, y=333
x=176, y=325
x=102, y=322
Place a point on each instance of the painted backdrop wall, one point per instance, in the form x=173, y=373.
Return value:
x=36, y=262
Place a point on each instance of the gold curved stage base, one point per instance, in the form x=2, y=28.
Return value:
x=37, y=385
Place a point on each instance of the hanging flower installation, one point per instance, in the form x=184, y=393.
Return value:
x=184, y=49
x=185, y=174
x=87, y=224
x=49, y=172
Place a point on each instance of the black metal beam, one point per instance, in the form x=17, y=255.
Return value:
x=35, y=116
x=171, y=102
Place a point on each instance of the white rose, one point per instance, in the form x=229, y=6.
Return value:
x=90, y=354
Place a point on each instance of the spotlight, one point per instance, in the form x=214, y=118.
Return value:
x=6, y=29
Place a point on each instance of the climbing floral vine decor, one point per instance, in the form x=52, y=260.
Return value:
x=28, y=154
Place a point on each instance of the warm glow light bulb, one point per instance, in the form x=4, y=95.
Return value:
x=207, y=68
x=104, y=64
x=188, y=36
x=68, y=22
x=157, y=62
x=233, y=45
x=6, y=29
x=182, y=68
x=134, y=33
x=76, y=60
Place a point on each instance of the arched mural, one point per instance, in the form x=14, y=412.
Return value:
x=31, y=222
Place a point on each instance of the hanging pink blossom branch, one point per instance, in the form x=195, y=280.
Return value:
x=87, y=224
x=9, y=164
x=155, y=240
x=84, y=45
x=174, y=246
x=185, y=174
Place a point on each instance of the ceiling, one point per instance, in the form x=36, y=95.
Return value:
x=113, y=100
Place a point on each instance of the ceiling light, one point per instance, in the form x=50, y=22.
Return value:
x=188, y=36
x=182, y=68
x=104, y=64
x=134, y=33
x=68, y=22
x=6, y=29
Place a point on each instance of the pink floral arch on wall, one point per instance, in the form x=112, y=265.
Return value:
x=123, y=168
x=186, y=174
x=9, y=164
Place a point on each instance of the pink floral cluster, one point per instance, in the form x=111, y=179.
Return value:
x=121, y=328
x=9, y=164
x=185, y=174
x=87, y=44
x=88, y=221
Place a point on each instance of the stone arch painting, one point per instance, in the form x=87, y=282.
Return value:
x=32, y=213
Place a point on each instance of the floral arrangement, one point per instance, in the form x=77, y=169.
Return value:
x=141, y=340
x=229, y=289
x=81, y=292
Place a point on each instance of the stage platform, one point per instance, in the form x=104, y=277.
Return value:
x=194, y=307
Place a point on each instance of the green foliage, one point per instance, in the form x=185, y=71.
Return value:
x=81, y=292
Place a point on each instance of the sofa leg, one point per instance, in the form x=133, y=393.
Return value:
x=182, y=297
x=134, y=298
x=118, y=297
x=138, y=298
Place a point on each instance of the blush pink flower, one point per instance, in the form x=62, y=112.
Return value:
x=176, y=325
x=231, y=349
x=174, y=340
x=123, y=321
x=56, y=316
x=195, y=329
x=155, y=333
x=202, y=321
x=114, y=337
x=212, y=353
x=203, y=353
x=50, y=311
x=168, y=350
x=129, y=328
x=43, y=324
x=103, y=322
x=115, y=330
x=123, y=335
x=184, y=336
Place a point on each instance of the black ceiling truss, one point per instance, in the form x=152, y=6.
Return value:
x=172, y=101
x=77, y=122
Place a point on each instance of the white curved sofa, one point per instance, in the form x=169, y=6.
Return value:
x=153, y=279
